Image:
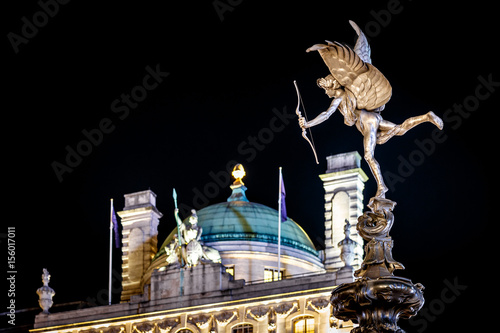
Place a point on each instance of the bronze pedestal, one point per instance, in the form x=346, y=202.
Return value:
x=377, y=299
x=377, y=304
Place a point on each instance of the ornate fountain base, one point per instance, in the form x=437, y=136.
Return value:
x=377, y=304
x=377, y=299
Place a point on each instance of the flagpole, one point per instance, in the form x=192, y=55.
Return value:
x=181, y=272
x=110, y=249
x=279, y=225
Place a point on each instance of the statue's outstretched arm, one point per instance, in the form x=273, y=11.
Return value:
x=323, y=115
x=177, y=218
x=181, y=226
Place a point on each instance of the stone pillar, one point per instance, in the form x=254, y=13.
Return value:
x=343, y=183
x=139, y=220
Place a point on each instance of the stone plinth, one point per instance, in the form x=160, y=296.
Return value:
x=201, y=279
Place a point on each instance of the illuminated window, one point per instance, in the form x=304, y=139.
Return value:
x=303, y=325
x=185, y=330
x=230, y=270
x=272, y=274
x=243, y=328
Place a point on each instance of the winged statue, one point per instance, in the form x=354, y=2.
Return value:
x=360, y=92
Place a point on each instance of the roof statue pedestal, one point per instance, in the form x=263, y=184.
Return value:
x=199, y=279
x=377, y=299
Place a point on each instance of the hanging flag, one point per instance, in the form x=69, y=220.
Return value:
x=115, y=227
x=282, y=199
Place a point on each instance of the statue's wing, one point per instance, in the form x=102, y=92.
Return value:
x=344, y=64
x=362, y=48
x=370, y=87
x=372, y=90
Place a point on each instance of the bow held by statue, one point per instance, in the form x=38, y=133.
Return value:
x=302, y=121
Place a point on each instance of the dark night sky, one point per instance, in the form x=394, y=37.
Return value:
x=226, y=75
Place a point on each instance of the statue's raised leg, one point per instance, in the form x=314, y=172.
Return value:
x=387, y=129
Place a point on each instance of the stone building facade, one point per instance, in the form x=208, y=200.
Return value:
x=233, y=294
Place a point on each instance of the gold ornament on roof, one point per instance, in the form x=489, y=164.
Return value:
x=238, y=174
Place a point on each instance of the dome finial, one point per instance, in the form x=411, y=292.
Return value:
x=238, y=186
x=238, y=174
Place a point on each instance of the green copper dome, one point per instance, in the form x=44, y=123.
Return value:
x=241, y=220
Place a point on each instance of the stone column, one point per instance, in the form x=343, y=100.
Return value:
x=343, y=183
x=139, y=220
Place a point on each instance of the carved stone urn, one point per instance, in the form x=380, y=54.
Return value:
x=45, y=293
x=347, y=247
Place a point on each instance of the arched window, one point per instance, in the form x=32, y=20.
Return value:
x=303, y=324
x=243, y=328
